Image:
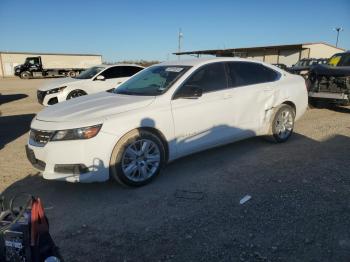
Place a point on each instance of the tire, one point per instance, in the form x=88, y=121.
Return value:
x=282, y=124
x=25, y=75
x=130, y=165
x=76, y=93
x=314, y=104
x=72, y=74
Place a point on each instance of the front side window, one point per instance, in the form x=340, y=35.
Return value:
x=208, y=78
x=89, y=73
x=152, y=81
x=345, y=60
x=248, y=73
x=32, y=61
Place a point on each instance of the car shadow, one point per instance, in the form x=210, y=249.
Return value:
x=12, y=127
x=339, y=109
x=10, y=98
x=332, y=107
x=293, y=185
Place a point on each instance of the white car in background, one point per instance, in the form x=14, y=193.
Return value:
x=93, y=80
x=164, y=112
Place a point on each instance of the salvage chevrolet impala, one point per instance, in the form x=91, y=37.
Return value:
x=162, y=113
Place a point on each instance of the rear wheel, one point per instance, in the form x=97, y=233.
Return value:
x=137, y=158
x=71, y=73
x=26, y=75
x=76, y=93
x=283, y=123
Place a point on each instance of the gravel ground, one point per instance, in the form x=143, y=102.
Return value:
x=299, y=210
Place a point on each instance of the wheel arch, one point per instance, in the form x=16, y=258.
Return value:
x=161, y=136
x=291, y=104
x=72, y=89
x=154, y=131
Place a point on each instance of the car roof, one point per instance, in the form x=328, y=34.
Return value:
x=120, y=64
x=202, y=61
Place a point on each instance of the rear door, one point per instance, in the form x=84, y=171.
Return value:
x=252, y=89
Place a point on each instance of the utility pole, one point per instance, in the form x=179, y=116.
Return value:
x=179, y=43
x=338, y=29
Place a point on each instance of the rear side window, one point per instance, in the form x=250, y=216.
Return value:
x=209, y=78
x=113, y=72
x=131, y=70
x=120, y=71
x=248, y=73
x=345, y=61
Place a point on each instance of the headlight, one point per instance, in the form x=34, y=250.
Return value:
x=56, y=90
x=78, y=133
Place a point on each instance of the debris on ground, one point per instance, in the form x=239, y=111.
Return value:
x=192, y=195
x=245, y=199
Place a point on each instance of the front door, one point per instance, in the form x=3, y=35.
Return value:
x=204, y=121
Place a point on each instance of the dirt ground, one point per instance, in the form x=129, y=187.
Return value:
x=299, y=210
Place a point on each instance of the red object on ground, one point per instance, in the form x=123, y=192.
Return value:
x=39, y=223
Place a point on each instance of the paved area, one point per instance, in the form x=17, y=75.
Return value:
x=299, y=210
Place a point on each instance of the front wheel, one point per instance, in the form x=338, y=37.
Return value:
x=137, y=158
x=283, y=123
x=26, y=75
x=76, y=93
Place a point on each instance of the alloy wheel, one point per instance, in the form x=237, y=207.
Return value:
x=284, y=124
x=141, y=160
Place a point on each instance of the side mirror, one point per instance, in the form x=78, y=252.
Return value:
x=189, y=92
x=100, y=78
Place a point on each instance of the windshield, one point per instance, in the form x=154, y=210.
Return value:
x=152, y=81
x=89, y=73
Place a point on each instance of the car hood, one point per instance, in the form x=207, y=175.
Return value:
x=58, y=82
x=93, y=107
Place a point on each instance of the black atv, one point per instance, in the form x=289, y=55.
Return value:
x=331, y=83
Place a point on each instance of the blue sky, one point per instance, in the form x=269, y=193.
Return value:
x=148, y=29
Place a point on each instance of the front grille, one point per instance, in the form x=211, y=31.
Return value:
x=41, y=95
x=40, y=137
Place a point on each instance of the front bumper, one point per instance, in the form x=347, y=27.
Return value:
x=49, y=99
x=92, y=154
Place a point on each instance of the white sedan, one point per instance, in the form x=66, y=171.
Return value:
x=93, y=80
x=162, y=113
